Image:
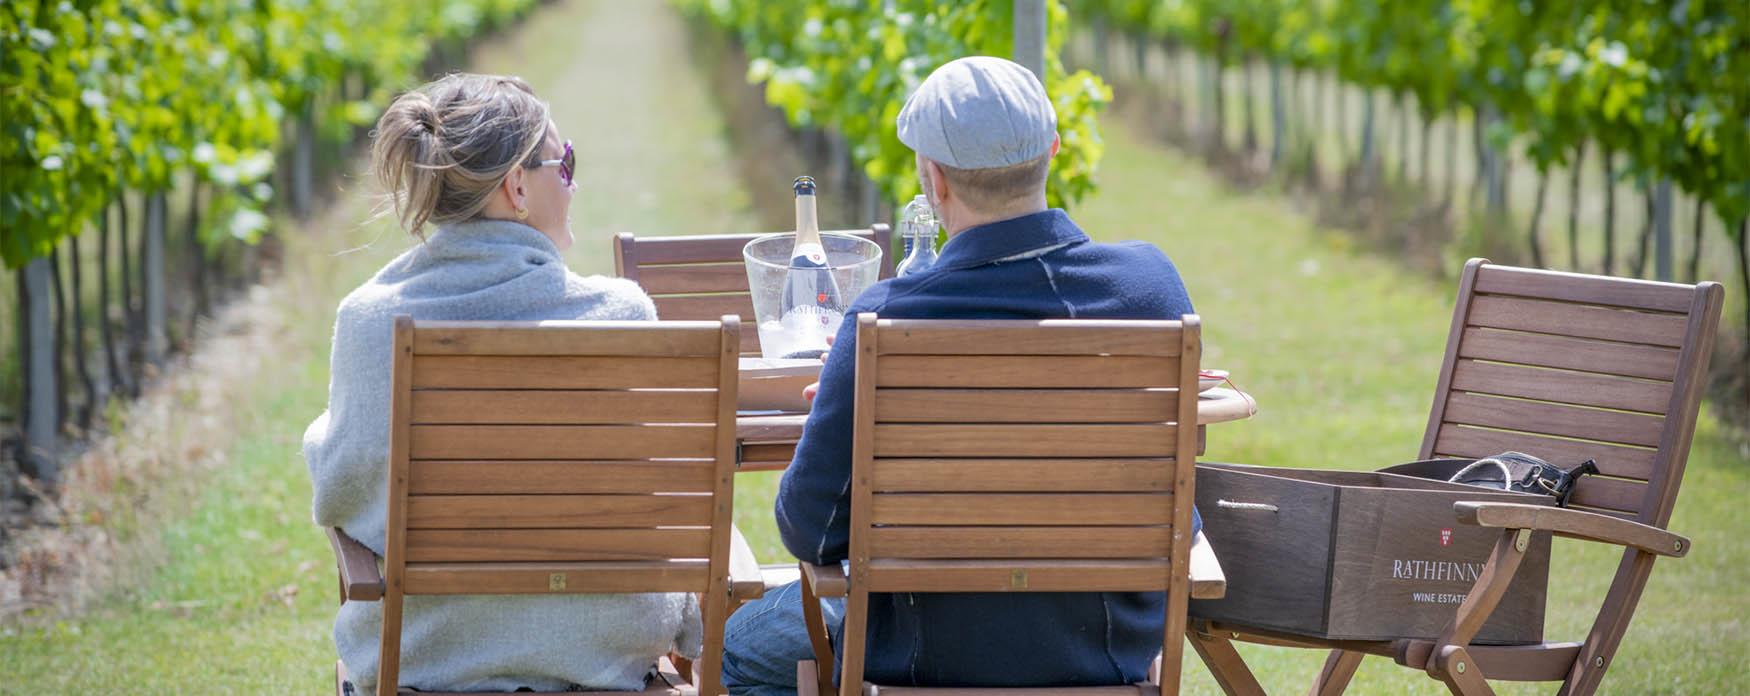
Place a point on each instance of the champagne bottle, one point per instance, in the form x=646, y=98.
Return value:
x=811, y=307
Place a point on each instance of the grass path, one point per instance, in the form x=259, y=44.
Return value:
x=1340, y=347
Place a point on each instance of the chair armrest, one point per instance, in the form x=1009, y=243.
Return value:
x=1207, y=579
x=1577, y=524
x=745, y=580
x=827, y=580
x=360, y=579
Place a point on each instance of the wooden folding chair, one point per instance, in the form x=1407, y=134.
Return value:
x=704, y=277
x=560, y=458
x=1568, y=367
x=1017, y=456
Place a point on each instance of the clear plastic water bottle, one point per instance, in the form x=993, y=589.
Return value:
x=917, y=228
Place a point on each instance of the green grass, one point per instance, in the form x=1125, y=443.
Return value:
x=1340, y=347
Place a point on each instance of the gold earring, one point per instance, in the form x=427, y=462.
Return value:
x=522, y=213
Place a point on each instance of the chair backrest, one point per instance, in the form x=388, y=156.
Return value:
x=704, y=277
x=561, y=457
x=1572, y=367
x=1022, y=456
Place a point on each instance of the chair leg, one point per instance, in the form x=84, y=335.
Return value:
x=818, y=637
x=1339, y=669
x=1225, y=664
x=1460, y=673
x=807, y=679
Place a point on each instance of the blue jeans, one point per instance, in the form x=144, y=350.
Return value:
x=767, y=637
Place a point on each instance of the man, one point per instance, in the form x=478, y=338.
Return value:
x=984, y=132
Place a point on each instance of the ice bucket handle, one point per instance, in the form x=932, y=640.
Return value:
x=1232, y=505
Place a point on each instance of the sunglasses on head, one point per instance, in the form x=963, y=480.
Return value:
x=567, y=163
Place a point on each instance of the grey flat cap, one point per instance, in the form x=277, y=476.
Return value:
x=979, y=113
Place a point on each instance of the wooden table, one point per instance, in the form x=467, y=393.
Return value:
x=768, y=442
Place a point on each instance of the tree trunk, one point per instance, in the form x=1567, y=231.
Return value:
x=1700, y=224
x=303, y=161
x=152, y=259
x=1101, y=50
x=1662, y=212
x=1451, y=184
x=110, y=361
x=1369, y=158
x=1574, y=169
x=61, y=410
x=1139, y=48
x=1343, y=149
x=1537, y=220
x=1218, y=101
x=1172, y=83
x=1645, y=245
x=136, y=332
x=1480, y=148
x=79, y=352
x=1742, y=246
x=1609, y=210
x=1422, y=160
x=1278, y=115
x=1403, y=141
x=41, y=373
x=196, y=258
x=1251, y=131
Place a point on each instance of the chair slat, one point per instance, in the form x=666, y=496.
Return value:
x=556, y=511
x=1142, y=475
x=1543, y=350
x=632, y=338
x=1041, y=509
x=714, y=248
x=500, y=372
x=693, y=278
x=992, y=337
x=1614, y=460
x=561, y=545
x=687, y=575
x=1027, y=371
x=464, y=477
x=907, y=440
x=1554, y=419
x=1020, y=542
x=1590, y=289
x=568, y=407
x=889, y=574
x=1610, y=493
x=562, y=441
x=705, y=307
x=1580, y=321
x=1027, y=406
x=1580, y=388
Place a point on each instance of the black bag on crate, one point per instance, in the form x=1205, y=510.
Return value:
x=1510, y=471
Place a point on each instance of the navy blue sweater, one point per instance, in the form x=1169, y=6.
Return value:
x=1038, y=266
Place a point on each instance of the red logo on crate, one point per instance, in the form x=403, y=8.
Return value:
x=1446, y=536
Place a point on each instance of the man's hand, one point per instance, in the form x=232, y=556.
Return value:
x=811, y=390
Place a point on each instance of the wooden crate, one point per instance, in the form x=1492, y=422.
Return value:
x=1348, y=555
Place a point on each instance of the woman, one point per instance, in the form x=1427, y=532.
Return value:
x=477, y=156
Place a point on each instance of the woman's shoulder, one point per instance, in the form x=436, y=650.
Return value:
x=612, y=298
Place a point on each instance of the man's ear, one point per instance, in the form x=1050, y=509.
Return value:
x=938, y=184
x=1055, y=141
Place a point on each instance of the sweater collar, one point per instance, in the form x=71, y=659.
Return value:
x=492, y=231
x=1021, y=236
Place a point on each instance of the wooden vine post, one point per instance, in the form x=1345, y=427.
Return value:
x=41, y=424
x=1030, y=36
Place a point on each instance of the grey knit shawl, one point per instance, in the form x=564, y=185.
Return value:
x=486, y=269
